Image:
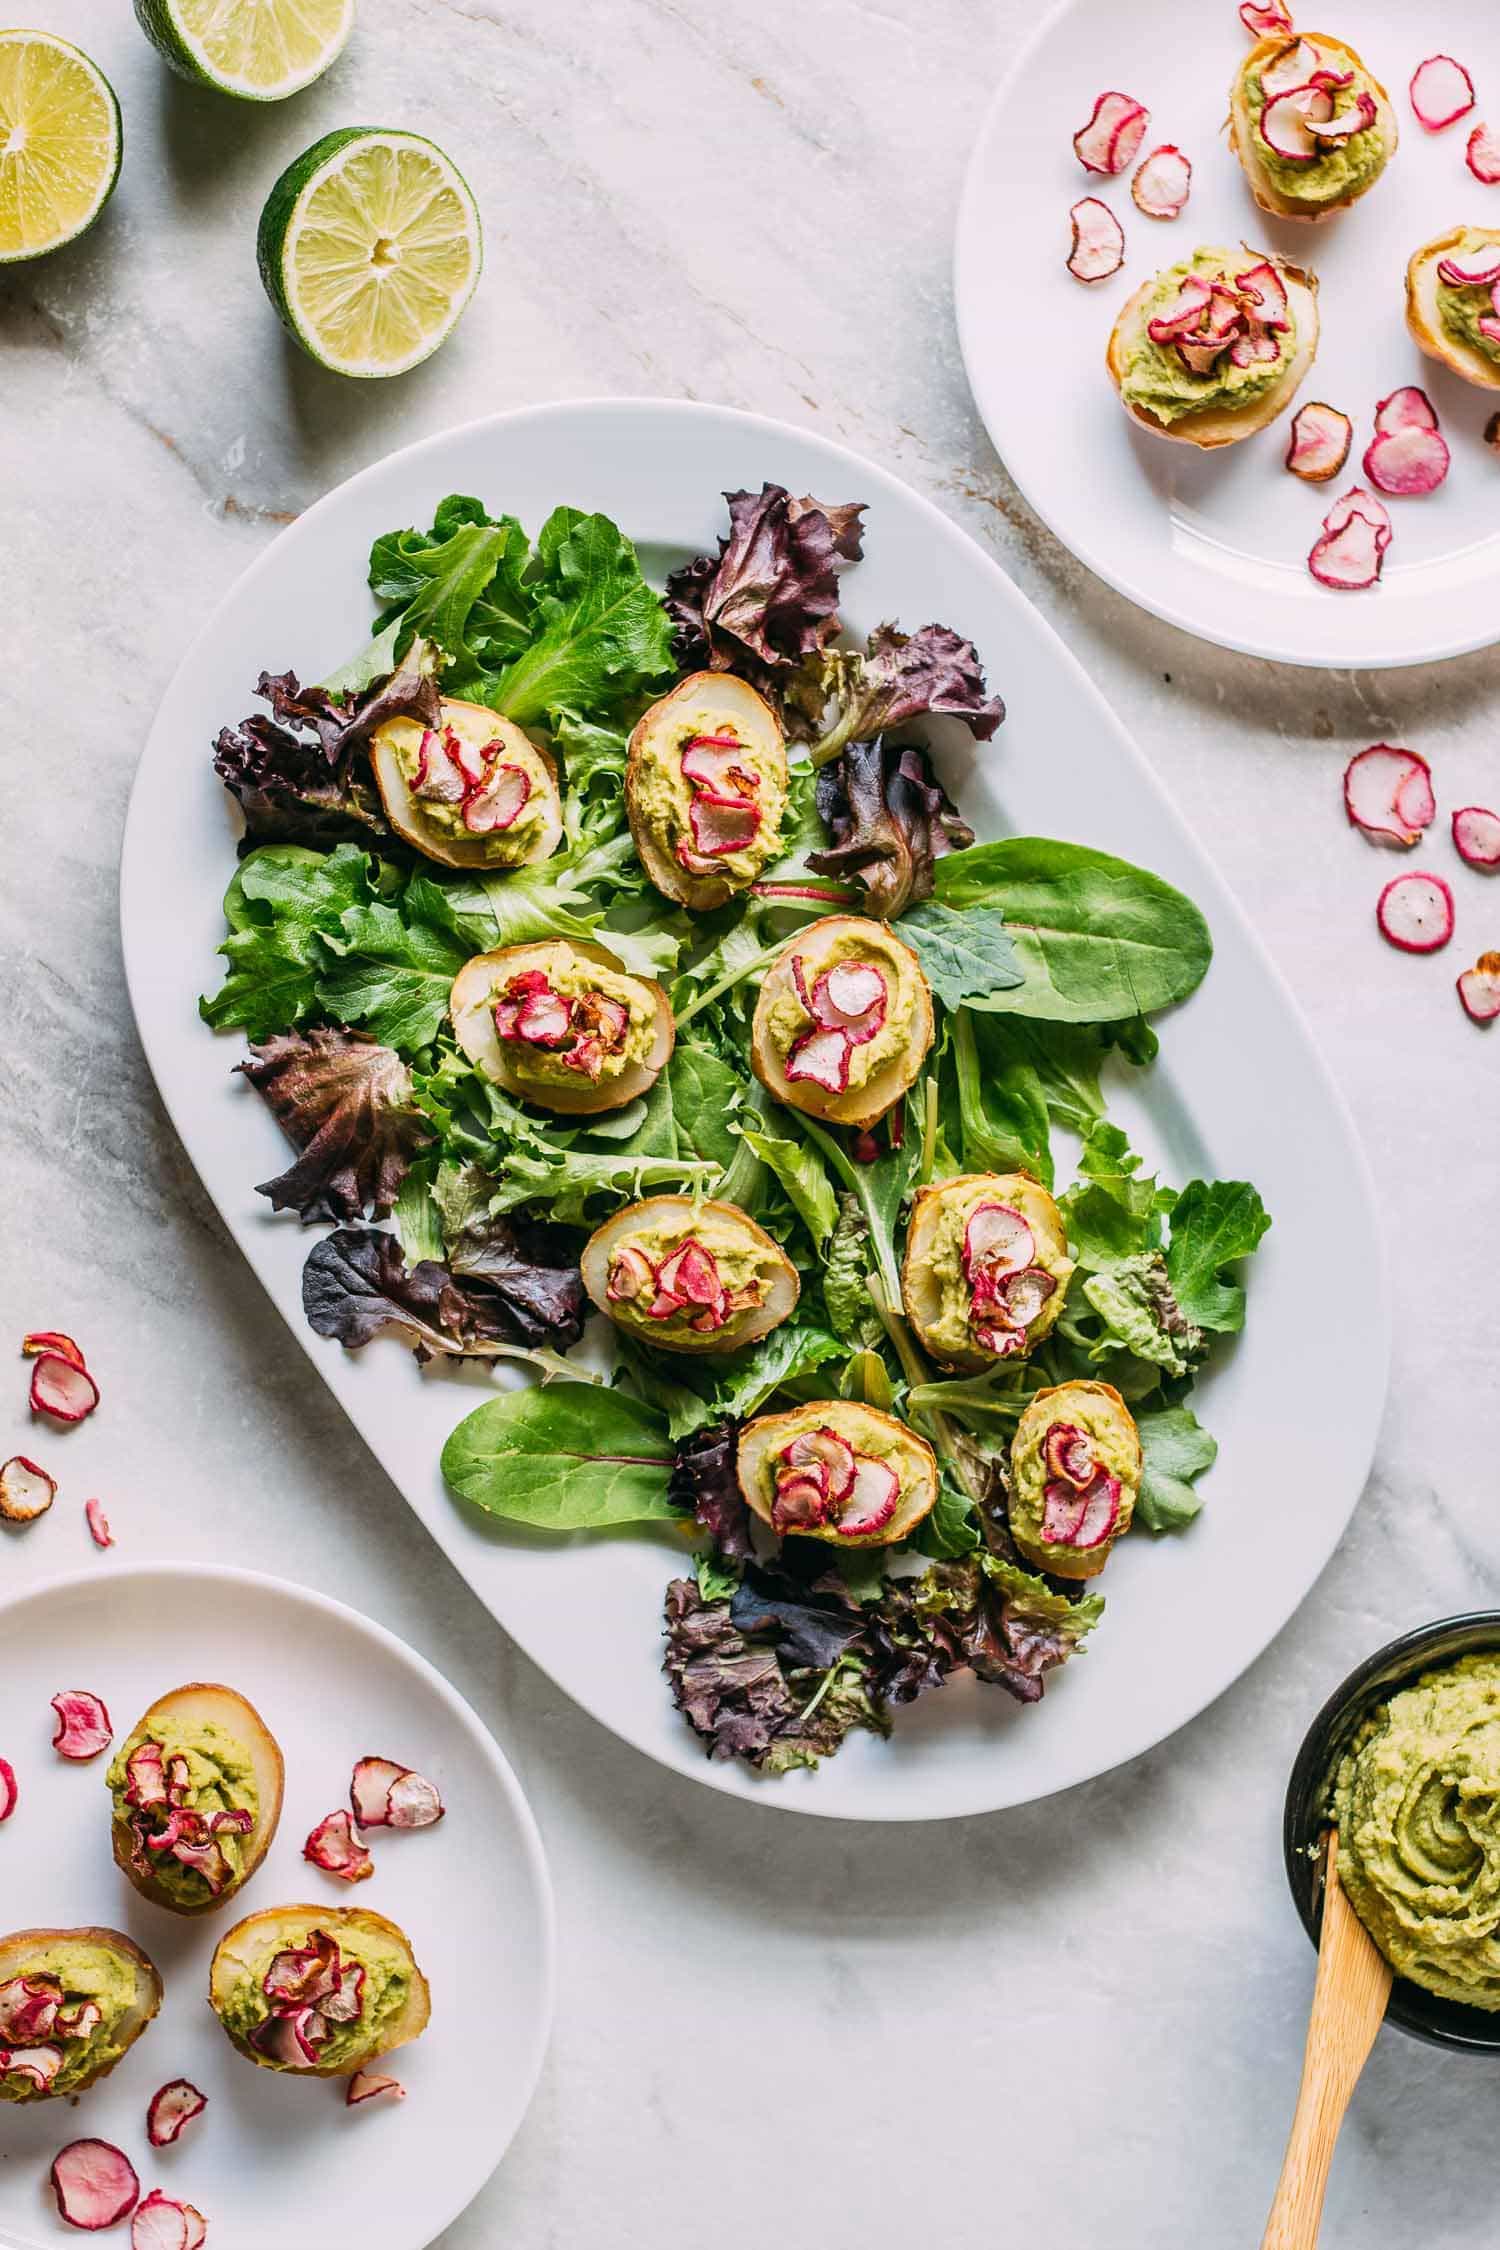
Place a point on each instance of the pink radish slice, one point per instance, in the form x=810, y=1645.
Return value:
x=1350, y=559
x=26, y=1490
x=95, y=2185
x=1264, y=23
x=1112, y=135
x=1407, y=409
x=98, y=1523
x=872, y=1503
x=162, y=2223
x=414, y=1802
x=1163, y=183
x=1101, y=1512
x=1098, y=241
x=61, y=1390
x=1407, y=463
x=1062, y=1513
x=499, y=802
x=1441, y=92
x=83, y=1727
x=1287, y=122
x=370, y=1783
x=1320, y=441
x=1019, y=1297
x=337, y=1846
x=1185, y=312
x=10, y=1789
x=1357, y=502
x=998, y=1240
x=822, y=1057
x=824, y=1452
x=52, y=1340
x=172, y=2106
x=369, y=2085
x=1292, y=68
x=1489, y=326
x=1069, y=1454
x=1476, y=836
x=1335, y=130
x=1483, y=155
x=1481, y=271
x=1416, y=913
x=1479, y=989
x=1388, y=794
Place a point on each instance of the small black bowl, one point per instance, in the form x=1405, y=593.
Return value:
x=1446, y=2023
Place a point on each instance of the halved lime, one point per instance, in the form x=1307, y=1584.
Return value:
x=370, y=249
x=59, y=143
x=259, y=50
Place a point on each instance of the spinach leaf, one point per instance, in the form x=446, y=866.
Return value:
x=964, y=956
x=1002, y=1107
x=563, y=1457
x=951, y=1529
x=1214, y=1223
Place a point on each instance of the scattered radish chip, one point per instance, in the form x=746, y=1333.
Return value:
x=95, y=2185
x=10, y=1789
x=83, y=1727
x=370, y=1789
x=1320, y=442
x=1441, y=92
x=1265, y=23
x=1357, y=502
x=1163, y=183
x=62, y=1389
x=1098, y=241
x=1476, y=836
x=162, y=2223
x=369, y=2085
x=197, y=2228
x=413, y=1803
x=51, y=1340
x=1479, y=989
x=1408, y=462
x=171, y=2107
x=1351, y=558
x=1416, y=913
x=1112, y=135
x=1388, y=794
x=1409, y=408
x=1287, y=122
x=337, y=1846
x=98, y=1523
x=1483, y=155
x=26, y=1491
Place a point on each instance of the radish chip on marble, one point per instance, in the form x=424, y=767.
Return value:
x=1479, y=989
x=1415, y=913
x=98, y=1523
x=51, y=1340
x=1476, y=836
x=26, y=1490
x=61, y=1389
x=1388, y=794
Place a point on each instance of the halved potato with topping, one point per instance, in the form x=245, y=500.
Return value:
x=689, y=1276
x=1075, y=1474
x=92, y=1968
x=394, y=2002
x=230, y=1770
x=837, y=1470
x=563, y=1025
x=1215, y=425
x=1295, y=56
x=705, y=789
x=476, y=792
x=843, y=1022
x=986, y=1269
x=1471, y=248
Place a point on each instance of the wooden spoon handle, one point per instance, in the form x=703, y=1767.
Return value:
x=1349, y=2000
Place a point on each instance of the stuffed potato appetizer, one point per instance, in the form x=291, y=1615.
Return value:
x=1453, y=303
x=838, y=1471
x=705, y=789
x=986, y=1268
x=72, y=2005
x=320, y=1990
x=562, y=1025
x=1214, y=348
x=196, y=1795
x=843, y=1022
x=1312, y=127
x=474, y=792
x=1075, y=1473
x=689, y=1277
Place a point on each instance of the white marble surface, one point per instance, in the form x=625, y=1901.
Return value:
x=1080, y=2023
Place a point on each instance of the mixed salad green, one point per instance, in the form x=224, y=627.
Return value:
x=1045, y=962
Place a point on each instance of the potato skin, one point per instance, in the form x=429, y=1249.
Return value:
x=859, y=1106
x=1211, y=427
x=291, y=1923
x=698, y=893
x=1425, y=322
x=239, y=1717
x=474, y=1028
x=1242, y=136
x=403, y=811
x=765, y=1434
x=21, y=1945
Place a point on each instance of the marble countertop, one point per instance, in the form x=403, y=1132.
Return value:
x=849, y=2033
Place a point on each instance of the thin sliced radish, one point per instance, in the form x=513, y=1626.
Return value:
x=26, y=1490
x=1409, y=408
x=171, y=2107
x=52, y=1340
x=1479, y=989
x=872, y=1503
x=1293, y=67
x=1098, y=241
x=10, y=1789
x=98, y=1523
x=369, y=2085
x=1161, y=186
x=1407, y=463
x=61, y=1389
x=1476, y=836
x=83, y=1727
x=1441, y=92
x=95, y=2184
x=997, y=1240
x=413, y=1802
x=370, y=1789
x=1320, y=441
x=1350, y=559
x=337, y=1846
x=1416, y=913
x=1334, y=131
x=1357, y=502
x=1288, y=120
x=1265, y=23
x=1483, y=155
x=1388, y=794
x=1113, y=133
x=162, y=2223
x=1480, y=270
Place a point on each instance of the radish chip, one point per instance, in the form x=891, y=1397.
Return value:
x=369, y=2085
x=95, y=2185
x=413, y=1803
x=1479, y=989
x=1415, y=913
x=98, y=1523
x=337, y=1846
x=1162, y=185
x=1476, y=836
x=1441, y=92
x=1098, y=241
x=1408, y=462
x=62, y=1389
x=9, y=1789
x=161, y=2223
x=1388, y=794
x=26, y=1491
x=1351, y=558
x=1409, y=408
x=83, y=1727
x=370, y=1789
x=1320, y=441
x=1483, y=155
x=1265, y=23
x=1112, y=135
x=172, y=2106
x=51, y=1340
x=1357, y=502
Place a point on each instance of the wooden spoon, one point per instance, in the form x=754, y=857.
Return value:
x=1349, y=2000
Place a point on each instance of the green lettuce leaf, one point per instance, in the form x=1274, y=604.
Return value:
x=1214, y=1224
x=1177, y=1450
x=965, y=956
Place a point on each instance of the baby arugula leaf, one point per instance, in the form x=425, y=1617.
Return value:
x=1214, y=1223
x=564, y=1457
x=1176, y=1449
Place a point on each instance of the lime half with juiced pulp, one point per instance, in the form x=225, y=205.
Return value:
x=258, y=50
x=370, y=249
x=59, y=143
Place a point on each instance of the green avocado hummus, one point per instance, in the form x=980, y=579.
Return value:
x=1343, y=169
x=867, y=944
x=572, y=977
x=662, y=796
x=505, y=847
x=1156, y=378
x=1107, y=1424
x=384, y=1995
x=82, y=1972
x=1459, y=309
x=221, y=1778
x=1417, y=1805
x=950, y=1331
x=747, y=1266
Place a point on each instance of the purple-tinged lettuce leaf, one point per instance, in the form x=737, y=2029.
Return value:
x=704, y=1479
x=301, y=775
x=890, y=820
x=900, y=677
x=345, y=1105
x=1004, y=1623
x=770, y=597
x=356, y=1282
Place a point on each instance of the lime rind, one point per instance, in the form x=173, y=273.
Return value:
x=111, y=141
x=306, y=51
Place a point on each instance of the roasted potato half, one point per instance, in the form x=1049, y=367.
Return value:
x=843, y=1022
x=839, y=1471
x=207, y=1715
x=244, y=1954
x=1075, y=1474
x=1212, y=426
x=486, y=797
x=706, y=828
x=1277, y=194
x=522, y=1067
x=86, y=1964
x=716, y=1279
x=1430, y=332
x=986, y=1256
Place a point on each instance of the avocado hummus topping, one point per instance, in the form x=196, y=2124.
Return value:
x=707, y=781
x=821, y=1481
x=1416, y=1800
x=320, y=2005
x=62, y=2017
x=1470, y=311
x=991, y=1268
x=1316, y=120
x=849, y=1009
x=574, y=1019
x=697, y=1275
x=1218, y=330
x=469, y=788
x=186, y=1795
x=1075, y=1472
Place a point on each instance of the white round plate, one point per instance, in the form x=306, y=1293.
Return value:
x=1239, y=1092
x=1218, y=542
x=275, y=2159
